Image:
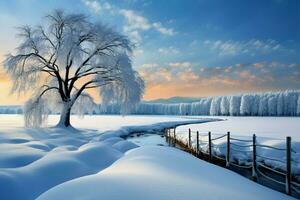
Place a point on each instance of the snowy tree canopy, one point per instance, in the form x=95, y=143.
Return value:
x=66, y=56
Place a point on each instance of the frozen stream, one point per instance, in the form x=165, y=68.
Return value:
x=146, y=139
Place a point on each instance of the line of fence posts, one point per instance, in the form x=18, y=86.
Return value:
x=288, y=177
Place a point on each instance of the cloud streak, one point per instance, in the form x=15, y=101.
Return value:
x=135, y=24
x=254, y=46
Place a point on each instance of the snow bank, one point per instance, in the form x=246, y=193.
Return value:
x=34, y=160
x=161, y=173
x=56, y=167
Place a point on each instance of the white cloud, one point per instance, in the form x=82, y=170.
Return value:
x=149, y=65
x=138, y=22
x=135, y=21
x=93, y=5
x=168, y=50
x=163, y=30
x=253, y=46
x=97, y=7
x=181, y=64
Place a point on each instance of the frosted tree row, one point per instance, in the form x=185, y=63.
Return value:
x=11, y=110
x=285, y=103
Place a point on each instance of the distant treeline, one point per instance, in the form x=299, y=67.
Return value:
x=286, y=103
x=11, y=110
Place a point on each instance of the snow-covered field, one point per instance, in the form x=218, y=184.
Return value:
x=272, y=127
x=71, y=164
x=270, y=131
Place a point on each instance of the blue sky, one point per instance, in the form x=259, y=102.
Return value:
x=191, y=47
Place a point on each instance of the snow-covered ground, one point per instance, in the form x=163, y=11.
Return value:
x=162, y=173
x=35, y=160
x=269, y=131
x=32, y=161
x=272, y=127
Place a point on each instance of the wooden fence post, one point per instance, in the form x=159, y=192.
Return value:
x=197, y=143
x=209, y=146
x=168, y=136
x=228, y=150
x=254, y=175
x=174, y=141
x=288, y=166
x=190, y=142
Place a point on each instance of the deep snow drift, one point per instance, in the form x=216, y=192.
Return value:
x=32, y=161
x=161, y=173
x=35, y=160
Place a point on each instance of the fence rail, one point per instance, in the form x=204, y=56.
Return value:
x=258, y=168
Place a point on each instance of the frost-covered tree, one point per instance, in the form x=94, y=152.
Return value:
x=246, y=104
x=215, y=106
x=292, y=103
x=272, y=105
x=64, y=58
x=255, y=105
x=298, y=106
x=263, y=106
x=234, y=105
x=225, y=105
x=280, y=104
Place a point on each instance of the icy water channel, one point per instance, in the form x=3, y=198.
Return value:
x=146, y=139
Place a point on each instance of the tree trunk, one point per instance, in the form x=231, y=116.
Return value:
x=65, y=115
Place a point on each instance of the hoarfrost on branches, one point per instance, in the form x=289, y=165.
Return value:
x=66, y=57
